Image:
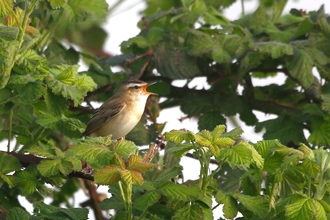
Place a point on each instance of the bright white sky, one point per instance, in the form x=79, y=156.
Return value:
x=122, y=25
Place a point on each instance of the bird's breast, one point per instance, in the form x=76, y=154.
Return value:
x=124, y=122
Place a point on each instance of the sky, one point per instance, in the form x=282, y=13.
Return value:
x=122, y=25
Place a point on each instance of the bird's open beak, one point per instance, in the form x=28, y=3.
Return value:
x=144, y=88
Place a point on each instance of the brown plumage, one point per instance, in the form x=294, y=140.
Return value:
x=119, y=114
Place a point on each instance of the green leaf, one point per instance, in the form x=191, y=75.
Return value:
x=301, y=208
x=30, y=60
x=256, y=157
x=308, y=152
x=8, y=53
x=318, y=56
x=194, y=105
x=201, y=43
x=326, y=102
x=180, y=192
x=175, y=64
x=286, y=128
x=233, y=134
x=30, y=93
x=131, y=177
x=8, y=163
x=320, y=212
x=57, y=53
x=44, y=150
x=221, y=56
x=135, y=163
x=147, y=200
x=313, y=109
x=56, y=104
x=5, y=94
x=259, y=17
x=138, y=40
x=248, y=62
x=209, y=120
x=322, y=158
x=108, y=175
x=154, y=35
x=275, y=49
x=70, y=126
x=84, y=82
x=66, y=167
x=67, y=91
x=300, y=67
x=65, y=81
x=56, y=4
x=230, y=208
x=310, y=167
x=320, y=135
x=52, y=167
x=166, y=176
x=119, y=59
x=17, y=213
x=263, y=147
x=215, y=144
x=45, y=211
x=115, y=202
x=190, y=212
x=180, y=149
x=125, y=148
x=178, y=136
x=304, y=27
x=65, y=73
x=325, y=205
x=256, y=204
x=218, y=131
x=278, y=8
x=215, y=17
x=92, y=149
x=247, y=116
x=27, y=179
x=237, y=156
x=46, y=120
x=6, y=6
x=49, y=167
x=77, y=10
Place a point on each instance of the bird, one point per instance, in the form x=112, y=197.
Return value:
x=120, y=113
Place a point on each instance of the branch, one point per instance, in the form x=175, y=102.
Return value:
x=95, y=200
x=28, y=159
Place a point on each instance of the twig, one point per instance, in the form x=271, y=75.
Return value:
x=94, y=200
x=28, y=159
x=145, y=65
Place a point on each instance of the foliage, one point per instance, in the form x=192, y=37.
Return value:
x=43, y=99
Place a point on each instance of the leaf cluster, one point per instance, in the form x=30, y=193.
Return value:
x=193, y=39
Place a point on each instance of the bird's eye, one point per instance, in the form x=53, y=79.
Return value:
x=136, y=87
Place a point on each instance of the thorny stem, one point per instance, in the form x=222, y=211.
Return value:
x=204, y=163
x=46, y=35
x=10, y=128
x=126, y=194
x=243, y=9
x=20, y=40
x=25, y=22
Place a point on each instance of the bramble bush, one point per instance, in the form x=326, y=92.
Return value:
x=45, y=102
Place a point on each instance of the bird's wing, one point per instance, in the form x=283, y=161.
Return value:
x=107, y=111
